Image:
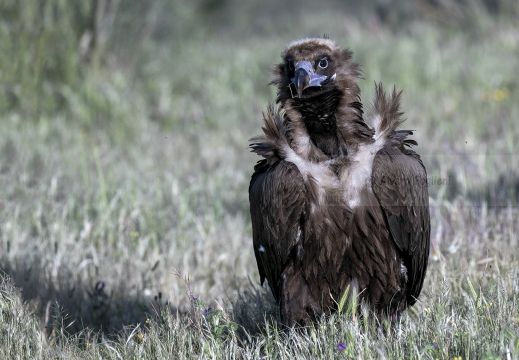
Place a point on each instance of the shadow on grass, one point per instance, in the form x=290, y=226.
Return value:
x=253, y=308
x=71, y=307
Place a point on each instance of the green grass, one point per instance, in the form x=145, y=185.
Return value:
x=124, y=205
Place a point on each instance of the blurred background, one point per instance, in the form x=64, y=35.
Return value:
x=124, y=163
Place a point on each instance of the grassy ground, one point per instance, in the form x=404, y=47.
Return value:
x=124, y=226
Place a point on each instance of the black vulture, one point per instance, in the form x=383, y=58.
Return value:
x=336, y=203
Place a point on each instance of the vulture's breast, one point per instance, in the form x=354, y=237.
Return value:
x=350, y=183
x=356, y=178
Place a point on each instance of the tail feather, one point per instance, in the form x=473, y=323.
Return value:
x=387, y=117
x=387, y=112
x=271, y=144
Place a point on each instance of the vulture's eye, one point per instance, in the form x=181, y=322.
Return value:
x=323, y=63
x=290, y=65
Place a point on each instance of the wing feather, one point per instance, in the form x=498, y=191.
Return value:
x=400, y=185
x=277, y=203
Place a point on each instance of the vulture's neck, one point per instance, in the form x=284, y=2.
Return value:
x=319, y=117
x=323, y=133
x=331, y=121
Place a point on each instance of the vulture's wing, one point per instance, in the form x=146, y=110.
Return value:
x=277, y=201
x=400, y=185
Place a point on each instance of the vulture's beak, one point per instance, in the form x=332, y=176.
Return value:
x=306, y=77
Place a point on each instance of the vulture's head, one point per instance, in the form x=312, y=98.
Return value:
x=317, y=83
x=314, y=67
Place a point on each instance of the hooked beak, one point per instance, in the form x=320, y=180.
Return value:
x=306, y=77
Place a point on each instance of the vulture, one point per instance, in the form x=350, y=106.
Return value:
x=336, y=204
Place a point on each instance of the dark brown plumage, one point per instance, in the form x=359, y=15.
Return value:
x=335, y=202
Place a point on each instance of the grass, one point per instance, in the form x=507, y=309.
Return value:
x=124, y=225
